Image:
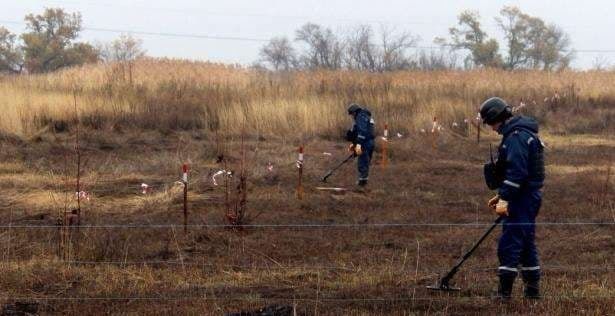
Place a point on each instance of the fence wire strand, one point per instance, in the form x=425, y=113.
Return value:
x=447, y=297
x=304, y=226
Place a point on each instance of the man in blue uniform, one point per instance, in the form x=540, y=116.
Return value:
x=361, y=135
x=518, y=175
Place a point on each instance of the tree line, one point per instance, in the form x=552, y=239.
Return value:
x=50, y=43
x=529, y=43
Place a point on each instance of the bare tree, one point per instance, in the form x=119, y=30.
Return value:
x=394, y=49
x=125, y=48
x=324, y=49
x=279, y=54
x=11, y=58
x=388, y=51
x=361, y=51
x=437, y=60
x=601, y=63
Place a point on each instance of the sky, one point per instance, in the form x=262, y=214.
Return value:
x=233, y=31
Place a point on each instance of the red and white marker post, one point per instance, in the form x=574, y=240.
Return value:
x=385, y=141
x=300, y=180
x=185, y=169
x=434, y=132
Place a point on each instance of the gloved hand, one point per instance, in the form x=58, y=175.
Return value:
x=358, y=150
x=501, y=208
x=493, y=202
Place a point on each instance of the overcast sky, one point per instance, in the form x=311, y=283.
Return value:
x=589, y=23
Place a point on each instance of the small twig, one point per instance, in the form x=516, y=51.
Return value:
x=179, y=254
x=126, y=250
x=266, y=256
x=605, y=199
x=403, y=263
x=317, y=294
x=477, y=211
x=416, y=270
x=8, y=243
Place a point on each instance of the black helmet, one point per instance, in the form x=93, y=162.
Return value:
x=353, y=108
x=495, y=110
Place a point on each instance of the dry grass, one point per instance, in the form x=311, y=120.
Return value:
x=329, y=271
x=215, y=270
x=172, y=94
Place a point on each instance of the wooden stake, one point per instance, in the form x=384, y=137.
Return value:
x=467, y=131
x=434, y=130
x=300, y=190
x=227, y=190
x=606, y=185
x=78, y=153
x=64, y=235
x=185, y=181
x=60, y=225
x=478, y=133
x=385, y=142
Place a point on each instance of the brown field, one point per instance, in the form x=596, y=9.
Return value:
x=138, y=123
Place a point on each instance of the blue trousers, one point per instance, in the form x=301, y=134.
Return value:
x=364, y=160
x=517, y=245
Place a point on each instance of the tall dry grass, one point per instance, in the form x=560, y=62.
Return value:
x=173, y=94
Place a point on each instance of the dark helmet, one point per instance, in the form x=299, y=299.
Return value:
x=353, y=108
x=495, y=110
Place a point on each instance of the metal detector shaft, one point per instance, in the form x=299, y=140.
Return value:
x=324, y=179
x=445, y=280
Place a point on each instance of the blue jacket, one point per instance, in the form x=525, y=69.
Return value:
x=363, y=128
x=524, y=161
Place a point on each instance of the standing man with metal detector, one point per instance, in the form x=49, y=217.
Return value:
x=361, y=136
x=518, y=175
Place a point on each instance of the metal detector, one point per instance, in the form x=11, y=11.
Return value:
x=330, y=173
x=443, y=284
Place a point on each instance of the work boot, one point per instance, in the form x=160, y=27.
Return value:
x=532, y=289
x=362, y=183
x=505, y=288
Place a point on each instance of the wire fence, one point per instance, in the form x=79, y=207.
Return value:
x=323, y=267
x=207, y=296
x=210, y=297
x=306, y=226
x=607, y=268
x=209, y=293
x=199, y=293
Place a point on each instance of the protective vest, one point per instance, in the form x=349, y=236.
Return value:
x=362, y=130
x=513, y=176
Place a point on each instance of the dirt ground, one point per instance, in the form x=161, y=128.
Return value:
x=358, y=253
